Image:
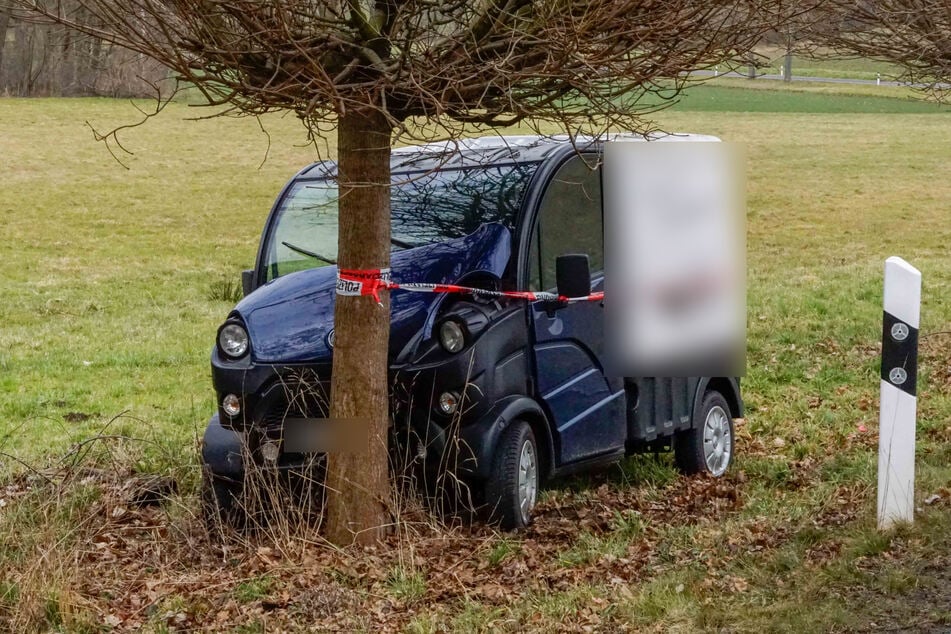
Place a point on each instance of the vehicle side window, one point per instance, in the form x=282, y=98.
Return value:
x=569, y=221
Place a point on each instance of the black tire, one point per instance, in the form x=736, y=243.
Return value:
x=690, y=451
x=221, y=502
x=503, y=496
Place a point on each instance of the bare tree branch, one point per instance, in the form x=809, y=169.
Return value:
x=913, y=34
x=583, y=64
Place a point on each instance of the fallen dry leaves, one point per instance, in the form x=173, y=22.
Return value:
x=145, y=564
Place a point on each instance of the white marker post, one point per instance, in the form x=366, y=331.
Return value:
x=899, y=403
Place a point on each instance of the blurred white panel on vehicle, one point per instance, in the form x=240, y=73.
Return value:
x=675, y=296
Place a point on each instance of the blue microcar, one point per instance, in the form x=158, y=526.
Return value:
x=505, y=393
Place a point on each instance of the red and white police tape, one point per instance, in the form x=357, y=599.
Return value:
x=355, y=282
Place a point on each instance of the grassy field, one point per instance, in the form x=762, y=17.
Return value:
x=109, y=276
x=740, y=95
x=107, y=271
x=804, y=66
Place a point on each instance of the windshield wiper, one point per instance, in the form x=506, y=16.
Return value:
x=309, y=253
x=403, y=244
x=293, y=247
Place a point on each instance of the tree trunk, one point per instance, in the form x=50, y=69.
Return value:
x=358, y=483
x=4, y=25
x=787, y=61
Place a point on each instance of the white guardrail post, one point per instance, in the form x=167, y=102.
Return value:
x=899, y=403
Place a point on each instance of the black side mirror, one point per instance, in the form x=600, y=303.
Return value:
x=247, y=282
x=573, y=275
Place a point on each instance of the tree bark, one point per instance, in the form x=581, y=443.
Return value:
x=787, y=61
x=4, y=25
x=358, y=483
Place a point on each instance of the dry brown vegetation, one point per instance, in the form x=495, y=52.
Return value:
x=115, y=549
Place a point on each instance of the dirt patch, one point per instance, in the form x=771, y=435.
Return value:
x=78, y=417
x=923, y=604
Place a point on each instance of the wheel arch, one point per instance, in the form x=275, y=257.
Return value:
x=221, y=451
x=482, y=437
x=537, y=420
x=729, y=387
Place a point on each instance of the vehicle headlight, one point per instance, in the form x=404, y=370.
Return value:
x=452, y=336
x=233, y=340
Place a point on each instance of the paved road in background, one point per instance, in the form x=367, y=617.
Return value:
x=830, y=80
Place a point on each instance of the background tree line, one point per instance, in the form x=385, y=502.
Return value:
x=51, y=60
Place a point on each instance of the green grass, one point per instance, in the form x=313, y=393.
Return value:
x=730, y=95
x=406, y=585
x=253, y=589
x=114, y=282
x=114, y=279
x=500, y=551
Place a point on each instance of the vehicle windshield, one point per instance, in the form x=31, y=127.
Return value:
x=425, y=208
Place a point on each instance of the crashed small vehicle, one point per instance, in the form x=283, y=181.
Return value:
x=507, y=391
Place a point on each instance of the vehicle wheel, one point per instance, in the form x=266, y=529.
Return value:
x=512, y=488
x=220, y=502
x=708, y=446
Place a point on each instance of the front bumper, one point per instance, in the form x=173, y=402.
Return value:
x=224, y=453
x=493, y=368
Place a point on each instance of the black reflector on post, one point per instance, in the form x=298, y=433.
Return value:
x=899, y=404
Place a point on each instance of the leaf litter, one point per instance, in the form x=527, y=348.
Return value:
x=143, y=557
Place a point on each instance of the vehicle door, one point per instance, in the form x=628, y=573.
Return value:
x=586, y=407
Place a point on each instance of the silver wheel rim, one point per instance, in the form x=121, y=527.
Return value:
x=527, y=480
x=717, y=441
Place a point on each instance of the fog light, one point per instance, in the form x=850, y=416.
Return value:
x=448, y=402
x=270, y=451
x=231, y=404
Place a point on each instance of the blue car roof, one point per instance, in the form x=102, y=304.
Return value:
x=482, y=151
x=492, y=150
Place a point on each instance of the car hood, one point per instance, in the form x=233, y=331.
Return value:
x=290, y=319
